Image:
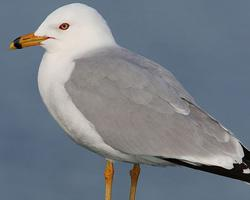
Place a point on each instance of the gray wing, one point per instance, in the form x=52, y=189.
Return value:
x=139, y=108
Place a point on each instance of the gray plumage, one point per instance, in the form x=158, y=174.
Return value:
x=139, y=108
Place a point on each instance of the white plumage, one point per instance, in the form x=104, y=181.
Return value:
x=124, y=106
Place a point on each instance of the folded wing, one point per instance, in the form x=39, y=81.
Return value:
x=139, y=108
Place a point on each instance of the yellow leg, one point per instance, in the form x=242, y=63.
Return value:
x=134, y=174
x=108, y=174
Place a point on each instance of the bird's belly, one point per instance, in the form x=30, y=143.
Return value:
x=77, y=126
x=83, y=131
x=51, y=82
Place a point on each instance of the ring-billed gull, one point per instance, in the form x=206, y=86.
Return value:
x=122, y=105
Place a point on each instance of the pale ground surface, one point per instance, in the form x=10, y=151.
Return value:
x=206, y=44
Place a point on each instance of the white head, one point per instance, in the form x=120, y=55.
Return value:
x=73, y=29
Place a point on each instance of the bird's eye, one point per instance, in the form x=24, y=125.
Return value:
x=64, y=26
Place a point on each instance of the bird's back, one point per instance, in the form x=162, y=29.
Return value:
x=139, y=108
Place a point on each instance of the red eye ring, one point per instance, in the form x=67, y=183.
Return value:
x=64, y=26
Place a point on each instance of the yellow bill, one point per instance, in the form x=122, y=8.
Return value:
x=27, y=41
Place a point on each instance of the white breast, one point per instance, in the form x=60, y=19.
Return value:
x=54, y=72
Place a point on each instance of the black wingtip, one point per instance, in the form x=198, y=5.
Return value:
x=238, y=172
x=246, y=154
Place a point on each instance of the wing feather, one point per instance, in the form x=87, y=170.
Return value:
x=139, y=108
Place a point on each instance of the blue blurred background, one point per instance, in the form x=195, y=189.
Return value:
x=205, y=43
